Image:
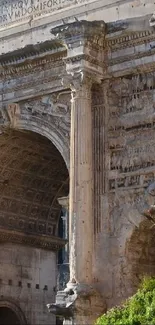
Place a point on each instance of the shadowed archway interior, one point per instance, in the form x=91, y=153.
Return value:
x=8, y=317
x=33, y=175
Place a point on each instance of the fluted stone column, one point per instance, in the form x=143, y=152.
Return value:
x=84, y=61
x=63, y=269
x=64, y=202
x=81, y=183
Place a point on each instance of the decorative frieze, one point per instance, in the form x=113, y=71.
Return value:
x=131, y=129
x=44, y=242
x=37, y=65
x=130, y=39
x=131, y=181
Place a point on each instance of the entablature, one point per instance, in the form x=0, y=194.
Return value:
x=130, y=48
x=46, y=242
x=111, y=49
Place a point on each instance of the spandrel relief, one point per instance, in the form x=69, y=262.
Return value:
x=54, y=109
x=52, y=105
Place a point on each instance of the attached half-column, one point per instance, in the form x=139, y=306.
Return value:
x=81, y=182
x=84, y=66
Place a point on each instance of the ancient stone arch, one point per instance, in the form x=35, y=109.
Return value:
x=107, y=69
x=46, y=115
x=21, y=161
x=11, y=305
x=34, y=164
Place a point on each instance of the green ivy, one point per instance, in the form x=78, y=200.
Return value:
x=138, y=310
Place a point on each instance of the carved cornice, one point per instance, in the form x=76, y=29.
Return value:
x=90, y=59
x=30, y=51
x=79, y=38
x=82, y=31
x=129, y=39
x=142, y=68
x=46, y=242
x=29, y=66
x=121, y=59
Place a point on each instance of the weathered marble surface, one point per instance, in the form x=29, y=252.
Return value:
x=35, y=93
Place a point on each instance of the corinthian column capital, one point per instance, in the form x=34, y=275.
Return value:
x=80, y=83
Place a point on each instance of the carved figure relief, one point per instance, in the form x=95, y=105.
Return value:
x=54, y=108
x=131, y=139
x=13, y=111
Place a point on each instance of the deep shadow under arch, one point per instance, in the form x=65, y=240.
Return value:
x=11, y=314
x=50, y=133
x=8, y=317
x=33, y=175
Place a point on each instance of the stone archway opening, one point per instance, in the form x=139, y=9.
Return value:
x=140, y=253
x=8, y=317
x=33, y=175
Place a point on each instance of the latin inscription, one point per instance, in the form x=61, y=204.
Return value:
x=13, y=11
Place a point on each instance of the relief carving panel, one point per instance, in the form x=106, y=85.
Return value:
x=131, y=123
x=53, y=109
x=131, y=148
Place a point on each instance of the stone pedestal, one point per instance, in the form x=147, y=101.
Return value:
x=78, y=304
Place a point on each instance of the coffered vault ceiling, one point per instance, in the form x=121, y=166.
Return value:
x=32, y=176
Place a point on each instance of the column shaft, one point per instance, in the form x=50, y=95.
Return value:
x=81, y=186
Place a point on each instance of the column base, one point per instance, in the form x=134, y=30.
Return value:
x=78, y=304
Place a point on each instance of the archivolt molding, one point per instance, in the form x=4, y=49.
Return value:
x=17, y=310
x=51, y=134
x=47, y=115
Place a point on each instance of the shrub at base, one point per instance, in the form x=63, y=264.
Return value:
x=138, y=310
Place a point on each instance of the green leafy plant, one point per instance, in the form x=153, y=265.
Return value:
x=138, y=310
